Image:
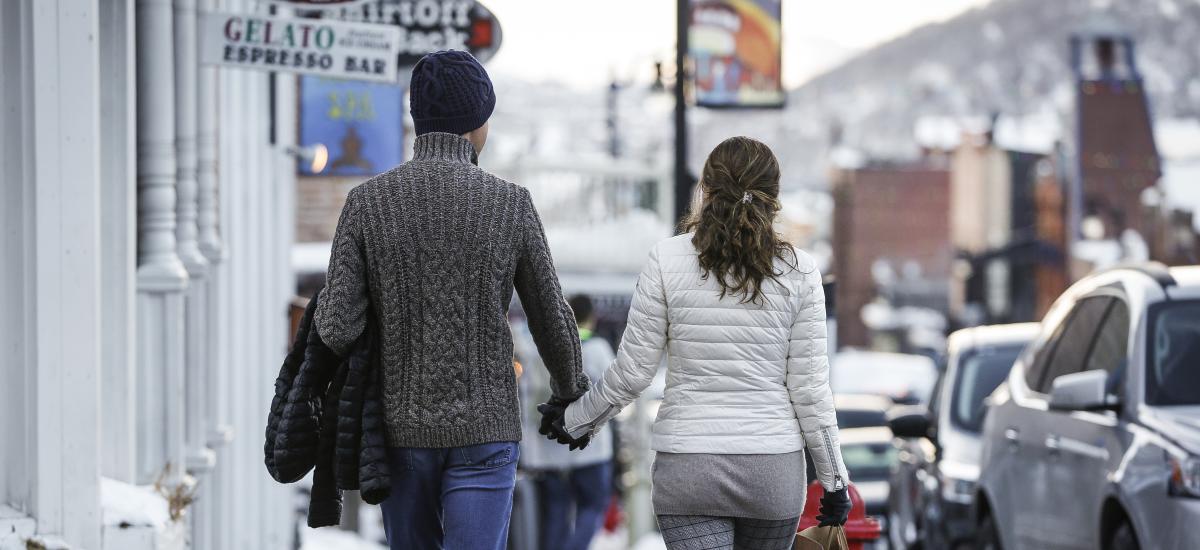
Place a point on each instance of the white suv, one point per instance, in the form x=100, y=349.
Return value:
x=1093, y=441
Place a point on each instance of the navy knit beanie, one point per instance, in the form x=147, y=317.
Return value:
x=450, y=92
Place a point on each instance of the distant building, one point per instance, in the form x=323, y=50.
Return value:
x=1117, y=157
x=1007, y=215
x=891, y=235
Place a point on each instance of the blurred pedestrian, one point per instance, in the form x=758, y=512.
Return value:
x=574, y=489
x=741, y=317
x=432, y=250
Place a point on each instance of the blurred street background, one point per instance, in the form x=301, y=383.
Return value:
x=174, y=171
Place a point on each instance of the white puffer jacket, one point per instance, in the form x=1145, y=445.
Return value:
x=741, y=378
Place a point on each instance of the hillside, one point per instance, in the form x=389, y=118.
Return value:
x=1010, y=56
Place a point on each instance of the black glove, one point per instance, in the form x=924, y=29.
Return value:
x=835, y=508
x=552, y=425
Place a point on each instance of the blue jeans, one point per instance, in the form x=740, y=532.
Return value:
x=587, y=490
x=457, y=498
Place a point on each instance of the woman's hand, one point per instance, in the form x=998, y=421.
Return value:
x=552, y=424
x=835, y=508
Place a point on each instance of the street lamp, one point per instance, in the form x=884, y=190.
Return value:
x=316, y=155
x=683, y=180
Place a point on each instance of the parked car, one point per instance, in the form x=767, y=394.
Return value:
x=861, y=410
x=1093, y=440
x=933, y=482
x=866, y=446
x=903, y=378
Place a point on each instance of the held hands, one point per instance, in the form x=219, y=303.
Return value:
x=552, y=424
x=835, y=508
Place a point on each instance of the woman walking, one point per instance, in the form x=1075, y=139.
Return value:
x=741, y=316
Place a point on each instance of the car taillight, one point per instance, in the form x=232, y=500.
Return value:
x=1185, y=476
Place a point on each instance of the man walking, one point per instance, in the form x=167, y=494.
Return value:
x=574, y=488
x=430, y=251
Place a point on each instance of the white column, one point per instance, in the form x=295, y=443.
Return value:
x=118, y=214
x=50, y=98
x=211, y=494
x=162, y=277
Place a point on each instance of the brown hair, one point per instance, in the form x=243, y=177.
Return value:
x=733, y=222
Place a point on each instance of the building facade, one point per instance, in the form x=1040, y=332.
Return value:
x=147, y=223
x=892, y=218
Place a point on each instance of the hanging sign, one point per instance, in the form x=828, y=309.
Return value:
x=360, y=123
x=427, y=26
x=312, y=46
x=318, y=4
x=736, y=47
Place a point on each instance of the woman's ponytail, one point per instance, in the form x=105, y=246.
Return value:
x=734, y=222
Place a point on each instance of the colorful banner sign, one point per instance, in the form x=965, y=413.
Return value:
x=430, y=25
x=360, y=123
x=736, y=48
x=310, y=46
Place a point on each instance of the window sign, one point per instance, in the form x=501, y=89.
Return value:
x=361, y=123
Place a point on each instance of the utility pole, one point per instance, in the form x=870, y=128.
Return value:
x=614, y=136
x=683, y=180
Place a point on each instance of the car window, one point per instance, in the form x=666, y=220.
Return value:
x=1108, y=352
x=1038, y=354
x=979, y=372
x=860, y=418
x=1174, y=372
x=1069, y=354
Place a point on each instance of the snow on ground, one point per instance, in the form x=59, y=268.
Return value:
x=332, y=538
x=652, y=541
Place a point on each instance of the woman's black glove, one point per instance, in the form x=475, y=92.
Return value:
x=835, y=508
x=552, y=424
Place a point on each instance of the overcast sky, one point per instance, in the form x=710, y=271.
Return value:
x=582, y=43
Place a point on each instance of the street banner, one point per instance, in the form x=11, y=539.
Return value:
x=430, y=25
x=736, y=48
x=361, y=123
x=331, y=49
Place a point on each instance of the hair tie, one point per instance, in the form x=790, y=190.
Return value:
x=747, y=198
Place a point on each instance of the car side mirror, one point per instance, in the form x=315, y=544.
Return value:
x=909, y=422
x=1081, y=391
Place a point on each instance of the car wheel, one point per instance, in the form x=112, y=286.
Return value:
x=1123, y=538
x=987, y=538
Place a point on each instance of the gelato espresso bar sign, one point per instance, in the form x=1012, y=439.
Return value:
x=312, y=46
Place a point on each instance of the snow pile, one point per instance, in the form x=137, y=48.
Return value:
x=332, y=538
x=126, y=505
x=619, y=245
x=138, y=517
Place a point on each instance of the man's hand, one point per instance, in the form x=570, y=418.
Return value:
x=552, y=425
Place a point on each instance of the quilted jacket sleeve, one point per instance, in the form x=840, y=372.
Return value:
x=637, y=359
x=808, y=382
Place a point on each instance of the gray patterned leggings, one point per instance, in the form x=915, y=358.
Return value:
x=719, y=533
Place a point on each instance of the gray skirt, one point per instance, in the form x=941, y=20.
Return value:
x=739, y=486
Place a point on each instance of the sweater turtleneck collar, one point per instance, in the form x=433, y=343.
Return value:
x=444, y=147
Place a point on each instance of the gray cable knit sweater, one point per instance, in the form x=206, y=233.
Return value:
x=432, y=250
